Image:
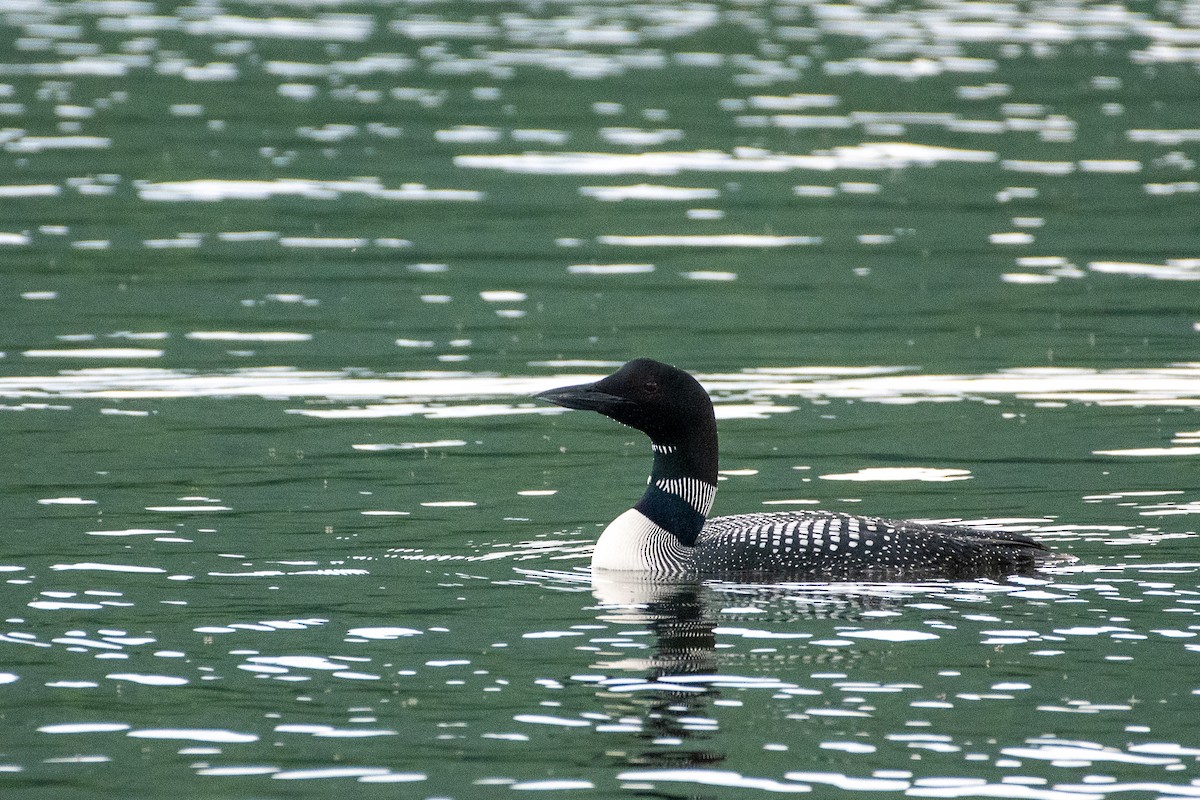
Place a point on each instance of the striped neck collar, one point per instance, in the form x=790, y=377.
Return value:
x=674, y=500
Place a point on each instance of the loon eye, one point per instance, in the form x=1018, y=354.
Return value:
x=651, y=387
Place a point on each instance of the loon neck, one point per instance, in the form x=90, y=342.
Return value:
x=681, y=461
x=680, y=491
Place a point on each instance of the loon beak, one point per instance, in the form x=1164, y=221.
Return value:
x=585, y=397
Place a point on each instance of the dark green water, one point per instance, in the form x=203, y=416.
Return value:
x=280, y=518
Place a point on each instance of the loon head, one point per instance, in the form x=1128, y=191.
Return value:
x=665, y=403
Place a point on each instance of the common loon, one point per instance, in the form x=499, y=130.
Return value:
x=667, y=532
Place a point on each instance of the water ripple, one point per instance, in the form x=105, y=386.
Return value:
x=430, y=394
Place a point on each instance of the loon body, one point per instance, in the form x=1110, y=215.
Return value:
x=668, y=532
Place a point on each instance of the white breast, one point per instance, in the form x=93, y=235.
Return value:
x=631, y=542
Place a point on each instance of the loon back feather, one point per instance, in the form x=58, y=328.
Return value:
x=668, y=531
x=842, y=545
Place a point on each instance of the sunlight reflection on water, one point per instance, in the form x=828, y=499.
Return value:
x=1174, y=385
x=238, y=576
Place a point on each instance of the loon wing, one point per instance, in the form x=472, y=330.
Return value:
x=826, y=544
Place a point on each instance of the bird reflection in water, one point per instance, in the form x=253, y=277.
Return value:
x=672, y=688
x=674, y=723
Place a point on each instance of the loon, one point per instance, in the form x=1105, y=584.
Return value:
x=668, y=532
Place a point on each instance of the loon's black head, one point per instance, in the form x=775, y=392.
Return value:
x=665, y=403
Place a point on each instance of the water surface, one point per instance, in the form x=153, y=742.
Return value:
x=281, y=517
